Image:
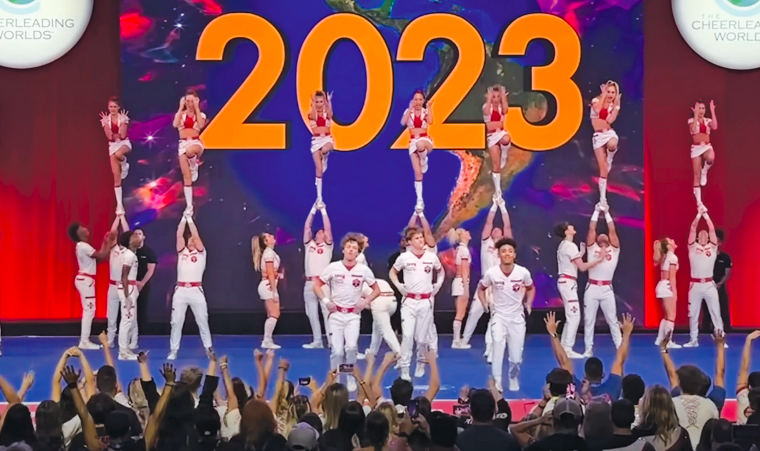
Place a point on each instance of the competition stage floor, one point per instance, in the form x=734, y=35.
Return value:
x=458, y=367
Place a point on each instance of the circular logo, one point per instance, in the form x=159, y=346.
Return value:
x=356, y=282
x=193, y=259
x=38, y=32
x=724, y=32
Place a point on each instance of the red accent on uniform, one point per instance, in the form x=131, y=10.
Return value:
x=495, y=116
x=188, y=284
x=114, y=127
x=416, y=121
x=702, y=127
x=321, y=121
x=565, y=276
x=599, y=282
x=705, y=280
x=86, y=275
x=603, y=113
x=189, y=121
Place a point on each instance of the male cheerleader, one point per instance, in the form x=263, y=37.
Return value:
x=382, y=308
x=703, y=250
x=115, y=268
x=605, y=251
x=87, y=259
x=417, y=290
x=191, y=264
x=318, y=251
x=489, y=258
x=128, y=293
x=569, y=261
x=513, y=292
x=346, y=279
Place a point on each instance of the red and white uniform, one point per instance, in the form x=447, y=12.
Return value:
x=346, y=292
x=382, y=308
x=114, y=268
x=417, y=121
x=115, y=125
x=265, y=289
x=495, y=114
x=663, y=288
x=189, y=122
x=700, y=127
x=128, y=324
x=507, y=316
x=189, y=293
x=462, y=258
x=316, y=258
x=85, y=284
x=489, y=258
x=599, y=294
x=702, y=286
x=318, y=141
x=567, y=285
x=417, y=305
x=600, y=139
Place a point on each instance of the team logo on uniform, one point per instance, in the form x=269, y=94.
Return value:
x=193, y=259
x=608, y=257
x=574, y=309
x=708, y=253
x=516, y=287
x=320, y=251
x=428, y=268
x=356, y=282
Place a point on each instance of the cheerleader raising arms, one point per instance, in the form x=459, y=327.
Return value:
x=189, y=120
x=115, y=124
x=322, y=142
x=604, y=111
x=494, y=114
x=702, y=152
x=417, y=118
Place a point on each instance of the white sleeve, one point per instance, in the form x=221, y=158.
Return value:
x=595, y=100
x=128, y=258
x=437, y=263
x=399, y=265
x=327, y=274
x=571, y=251
x=85, y=250
x=369, y=276
x=486, y=281
x=690, y=121
x=268, y=255
x=527, y=279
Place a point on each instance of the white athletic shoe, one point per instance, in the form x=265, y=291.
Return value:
x=88, y=345
x=127, y=355
x=314, y=345
x=514, y=384
x=573, y=355
x=269, y=345
x=420, y=370
x=124, y=169
x=703, y=178
x=504, y=153
x=405, y=374
x=324, y=163
x=360, y=356
x=610, y=157
x=424, y=162
x=672, y=345
x=172, y=355
x=460, y=345
x=351, y=384
x=111, y=345
x=193, y=168
x=497, y=384
x=589, y=352
x=691, y=344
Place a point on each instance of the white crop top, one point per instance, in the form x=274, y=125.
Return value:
x=699, y=127
x=603, y=113
x=670, y=260
x=415, y=121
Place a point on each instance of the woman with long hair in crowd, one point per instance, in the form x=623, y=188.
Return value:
x=604, y=111
x=664, y=256
x=498, y=140
x=189, y=120
x=258, y=430
x=659, y=422
x=376, y=432
x=322, y=142
x=459, y=239
x=49, y=427
x=115, y=124
x=702, y=152
x=266, y=261
x=336, y=397
x=417, y=119
x=17, y=427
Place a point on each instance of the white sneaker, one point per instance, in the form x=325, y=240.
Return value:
x=124, y=169
x=269, y=345
x=405, y=374
x=127, y=355
x=420, y=370
x=497, y=384
x=351, y=384
x=193, y=168
x=88, y=345
x=360, y=356
x=691, y=344
x=504, y=153
x=424, y=162
x=514, y=384
x=573, y=355
x=188, y=211
x=672, y=345
x=172, y=355
x=314, y=345
x=324, y=163
x=420, y=207
x=589, y=352
x=703, y=178
x=460, y=345
x=111, y=345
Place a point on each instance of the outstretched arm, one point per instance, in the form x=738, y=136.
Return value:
x=488, y=227
x=307, y=225
x=505, y=219
x=710, y=228
x=742, y=381
x=327, y=226
x=105, y=247
x=181, y=233
x=429, y=237
x=591, y=237
x=622, y=352
x=614, y=240
x=559, y=352
x=670, y=367
x=693, y=229
x=194, y=232
x=714, y=121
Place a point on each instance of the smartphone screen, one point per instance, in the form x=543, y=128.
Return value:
x=462, y=410
x=304, y=381
x=346, y=368
x=413, y=409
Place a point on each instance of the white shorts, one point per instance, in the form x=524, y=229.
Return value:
x=457, y=287
x=114, y=146
x=318, y=142
x=600, y=139
x=699, y=149
x=663, y=290
x=265, y=291
x=185, y=143
x=495, y=137
x=413, y=143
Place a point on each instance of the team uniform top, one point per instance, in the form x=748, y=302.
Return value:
x=702, y=260
x=603, y=113
x=128, y=258
x=361, y=259
x=417, y=121
x=114, y=262
x=316, y=258
x=346, y=283
x=508, y=289
x=699, y=127
x=495, y=115
x=191, y=265
x=188, y=121
x=462, y=257
x=418, y=271
x=116, y=126
x=269, y=255
x=85, y=259
x=385, y=289
x=321, y=121
x=670, y=259
x=604, y=271
x=489, y=255
x=566, y=253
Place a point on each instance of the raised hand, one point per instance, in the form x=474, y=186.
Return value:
x=223, y=360
x=627, y=325
x=603, y=88
x=551, y=323
x=75, y=352
x=104, y=119
x=142, y=357
x=258, y=356
x=720, y=338
x=753, y=336
x=430, y=104
x=182, y=102
x=712, y=105
x=283, y=365
x=70, y=376
x=211, y=355
x=28, y=379
x=168, y=373
x=103, y=338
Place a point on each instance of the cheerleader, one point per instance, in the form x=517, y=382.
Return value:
x=665, y=257
x=702, y=153
x=189, y=120
x=320, y=119
x=460, y=286
x=115, y=124
x=266, y=260
x=604, y=110
x=494, y=114
x=417, y=118
x=364, y=245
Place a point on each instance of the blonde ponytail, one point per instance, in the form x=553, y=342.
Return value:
x=660, y=249
x=453, y=236
x=257, y=250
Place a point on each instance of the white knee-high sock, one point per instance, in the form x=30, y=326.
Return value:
x=188, y=190
x=269, y=326
x=418, y=189
x=697, y=194
x=603, y=189
x=117, y=191
x=318, y=182
x=706, y=167
x=666, y=328
x=496, y=181
x=457, y=330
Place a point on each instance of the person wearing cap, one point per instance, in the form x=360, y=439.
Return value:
x=303, y=437
x=484, y=434
x=567, y=418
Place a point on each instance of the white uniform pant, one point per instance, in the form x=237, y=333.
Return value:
x=568, y=291
x=344, y=338
x=416, y=325
x=432, y=341
x=313, y=305
x=708, y=292
x=476, y=311
x=112, y=312
x=86, y=287
x=595, y=297
x=382, y=309
x=128, y=333
x=507, y=330
x=194, y=298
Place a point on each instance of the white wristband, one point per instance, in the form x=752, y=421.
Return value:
x=503, y=207
x=494, y=207
x=324, y=212
x=595, y=216
x=313, y=211
x=705, y=215
x=189, y=219
x=325, y=300
x=607, y=216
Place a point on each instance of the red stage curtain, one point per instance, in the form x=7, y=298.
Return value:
x=675, y=77
x=54, y=170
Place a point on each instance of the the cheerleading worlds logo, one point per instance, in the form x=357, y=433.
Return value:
x=723, y=32
x=20, y=6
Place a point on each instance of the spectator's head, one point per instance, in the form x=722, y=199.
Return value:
x=303, y=437
x=482, y=406
x=66, y=404
x=597, y=424
x=705, y=387
x=192, y=377
x=298, y=406
x=633, y=388
x=418, y=441
x=753, y=380
x=623, y=414
x=313, y=420
x=257, y=423
x=376, y=430
x=335, y=440
x=106, y=380
x=401, y=392
x=17, y=426
x=389, y=410
x=658, y=412
x=722, y=432
x=117, y=425
x=690, y=379
x=335, y=398
x=99, y=406
x=705, y=438
x=443, y=430
x=48, y=420
x=351, y=419
x=558, y=379
x=568, y=415
x=424, y=406
x=207, y=422
x=241, y=391
x=503, y=415
x=753, y=397
x=594, y=370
